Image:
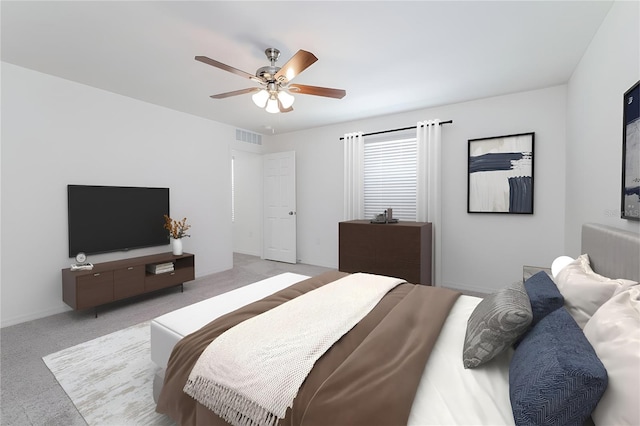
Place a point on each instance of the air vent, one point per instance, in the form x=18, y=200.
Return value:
x=249, y=137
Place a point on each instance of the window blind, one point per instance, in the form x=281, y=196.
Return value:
x=390, y=175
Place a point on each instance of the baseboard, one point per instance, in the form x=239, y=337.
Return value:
x=248, y=253
x=33, y=316
x=209, y=271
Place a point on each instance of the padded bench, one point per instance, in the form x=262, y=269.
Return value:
x=168, y=329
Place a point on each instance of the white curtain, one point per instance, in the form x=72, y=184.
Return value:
x=429, y=188
x=353, y=176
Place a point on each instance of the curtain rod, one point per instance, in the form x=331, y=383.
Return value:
x=398, y=130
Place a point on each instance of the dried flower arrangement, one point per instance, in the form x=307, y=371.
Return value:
x=177, y=228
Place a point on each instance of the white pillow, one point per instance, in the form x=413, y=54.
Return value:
x=584, y=291
x=614, y=333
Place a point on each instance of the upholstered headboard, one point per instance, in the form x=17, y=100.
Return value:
x=612, y=252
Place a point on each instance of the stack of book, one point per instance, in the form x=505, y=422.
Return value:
x=160, y=268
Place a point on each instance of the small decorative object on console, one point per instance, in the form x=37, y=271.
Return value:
x=177, y=230
x=81, y=257
x=82, y=264
x=386, y=217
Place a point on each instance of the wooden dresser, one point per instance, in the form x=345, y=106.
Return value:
x=401, y=250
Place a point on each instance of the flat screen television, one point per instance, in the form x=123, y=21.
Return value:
x=116, y=218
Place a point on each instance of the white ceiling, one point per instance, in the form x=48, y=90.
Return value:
x=389, y=56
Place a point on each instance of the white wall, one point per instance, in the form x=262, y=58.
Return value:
x=610, y=66
x=480, y=252
x=56, y=132
x=577, y=166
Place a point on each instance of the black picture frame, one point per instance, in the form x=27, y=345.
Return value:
x=630, y=196
x=500, y=174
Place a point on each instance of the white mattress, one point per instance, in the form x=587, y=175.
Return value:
x=448, y=394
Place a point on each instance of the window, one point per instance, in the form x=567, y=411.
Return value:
x=390, y=176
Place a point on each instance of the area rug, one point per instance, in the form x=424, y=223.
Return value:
x=110, y=379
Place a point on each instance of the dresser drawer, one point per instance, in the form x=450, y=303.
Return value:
x=94, y=289
x=408, y=271
x=128, y=281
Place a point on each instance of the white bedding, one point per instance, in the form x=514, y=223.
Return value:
x=448, y=394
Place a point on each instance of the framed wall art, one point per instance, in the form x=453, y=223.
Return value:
x=500, y=174
x=630, y=200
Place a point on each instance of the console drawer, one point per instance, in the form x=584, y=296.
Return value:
x=94, y=289
x=168, y=279
x=128, y=282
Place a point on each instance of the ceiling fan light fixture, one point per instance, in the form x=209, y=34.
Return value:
x=260, y=98
x=286, y=99
x=272, y=105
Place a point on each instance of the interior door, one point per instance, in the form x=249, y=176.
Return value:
x=279, y=238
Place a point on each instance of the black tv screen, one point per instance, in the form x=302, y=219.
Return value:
x=115, y=218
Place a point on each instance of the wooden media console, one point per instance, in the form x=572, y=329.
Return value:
x=121, y=279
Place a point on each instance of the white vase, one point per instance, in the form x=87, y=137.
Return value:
x=176, y=245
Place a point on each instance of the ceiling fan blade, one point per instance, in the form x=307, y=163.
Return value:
x=235, y=93
x=298, y=63
x=228, y=68
x=317, y=91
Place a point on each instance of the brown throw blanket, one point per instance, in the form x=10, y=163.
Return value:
x=369, y=377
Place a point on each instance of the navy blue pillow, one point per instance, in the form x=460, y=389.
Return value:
x=543, y=295
x=555, y=376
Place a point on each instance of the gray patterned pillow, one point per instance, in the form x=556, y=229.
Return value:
x=495, y=324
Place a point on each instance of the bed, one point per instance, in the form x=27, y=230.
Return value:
x=357, y=384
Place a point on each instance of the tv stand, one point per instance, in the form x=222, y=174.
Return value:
x=121, y=279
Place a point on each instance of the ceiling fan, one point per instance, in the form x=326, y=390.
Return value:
x=275, y=95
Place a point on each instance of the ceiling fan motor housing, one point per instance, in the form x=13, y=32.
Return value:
x=269, y=71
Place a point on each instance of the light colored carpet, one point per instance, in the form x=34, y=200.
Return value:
x=110, y=379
